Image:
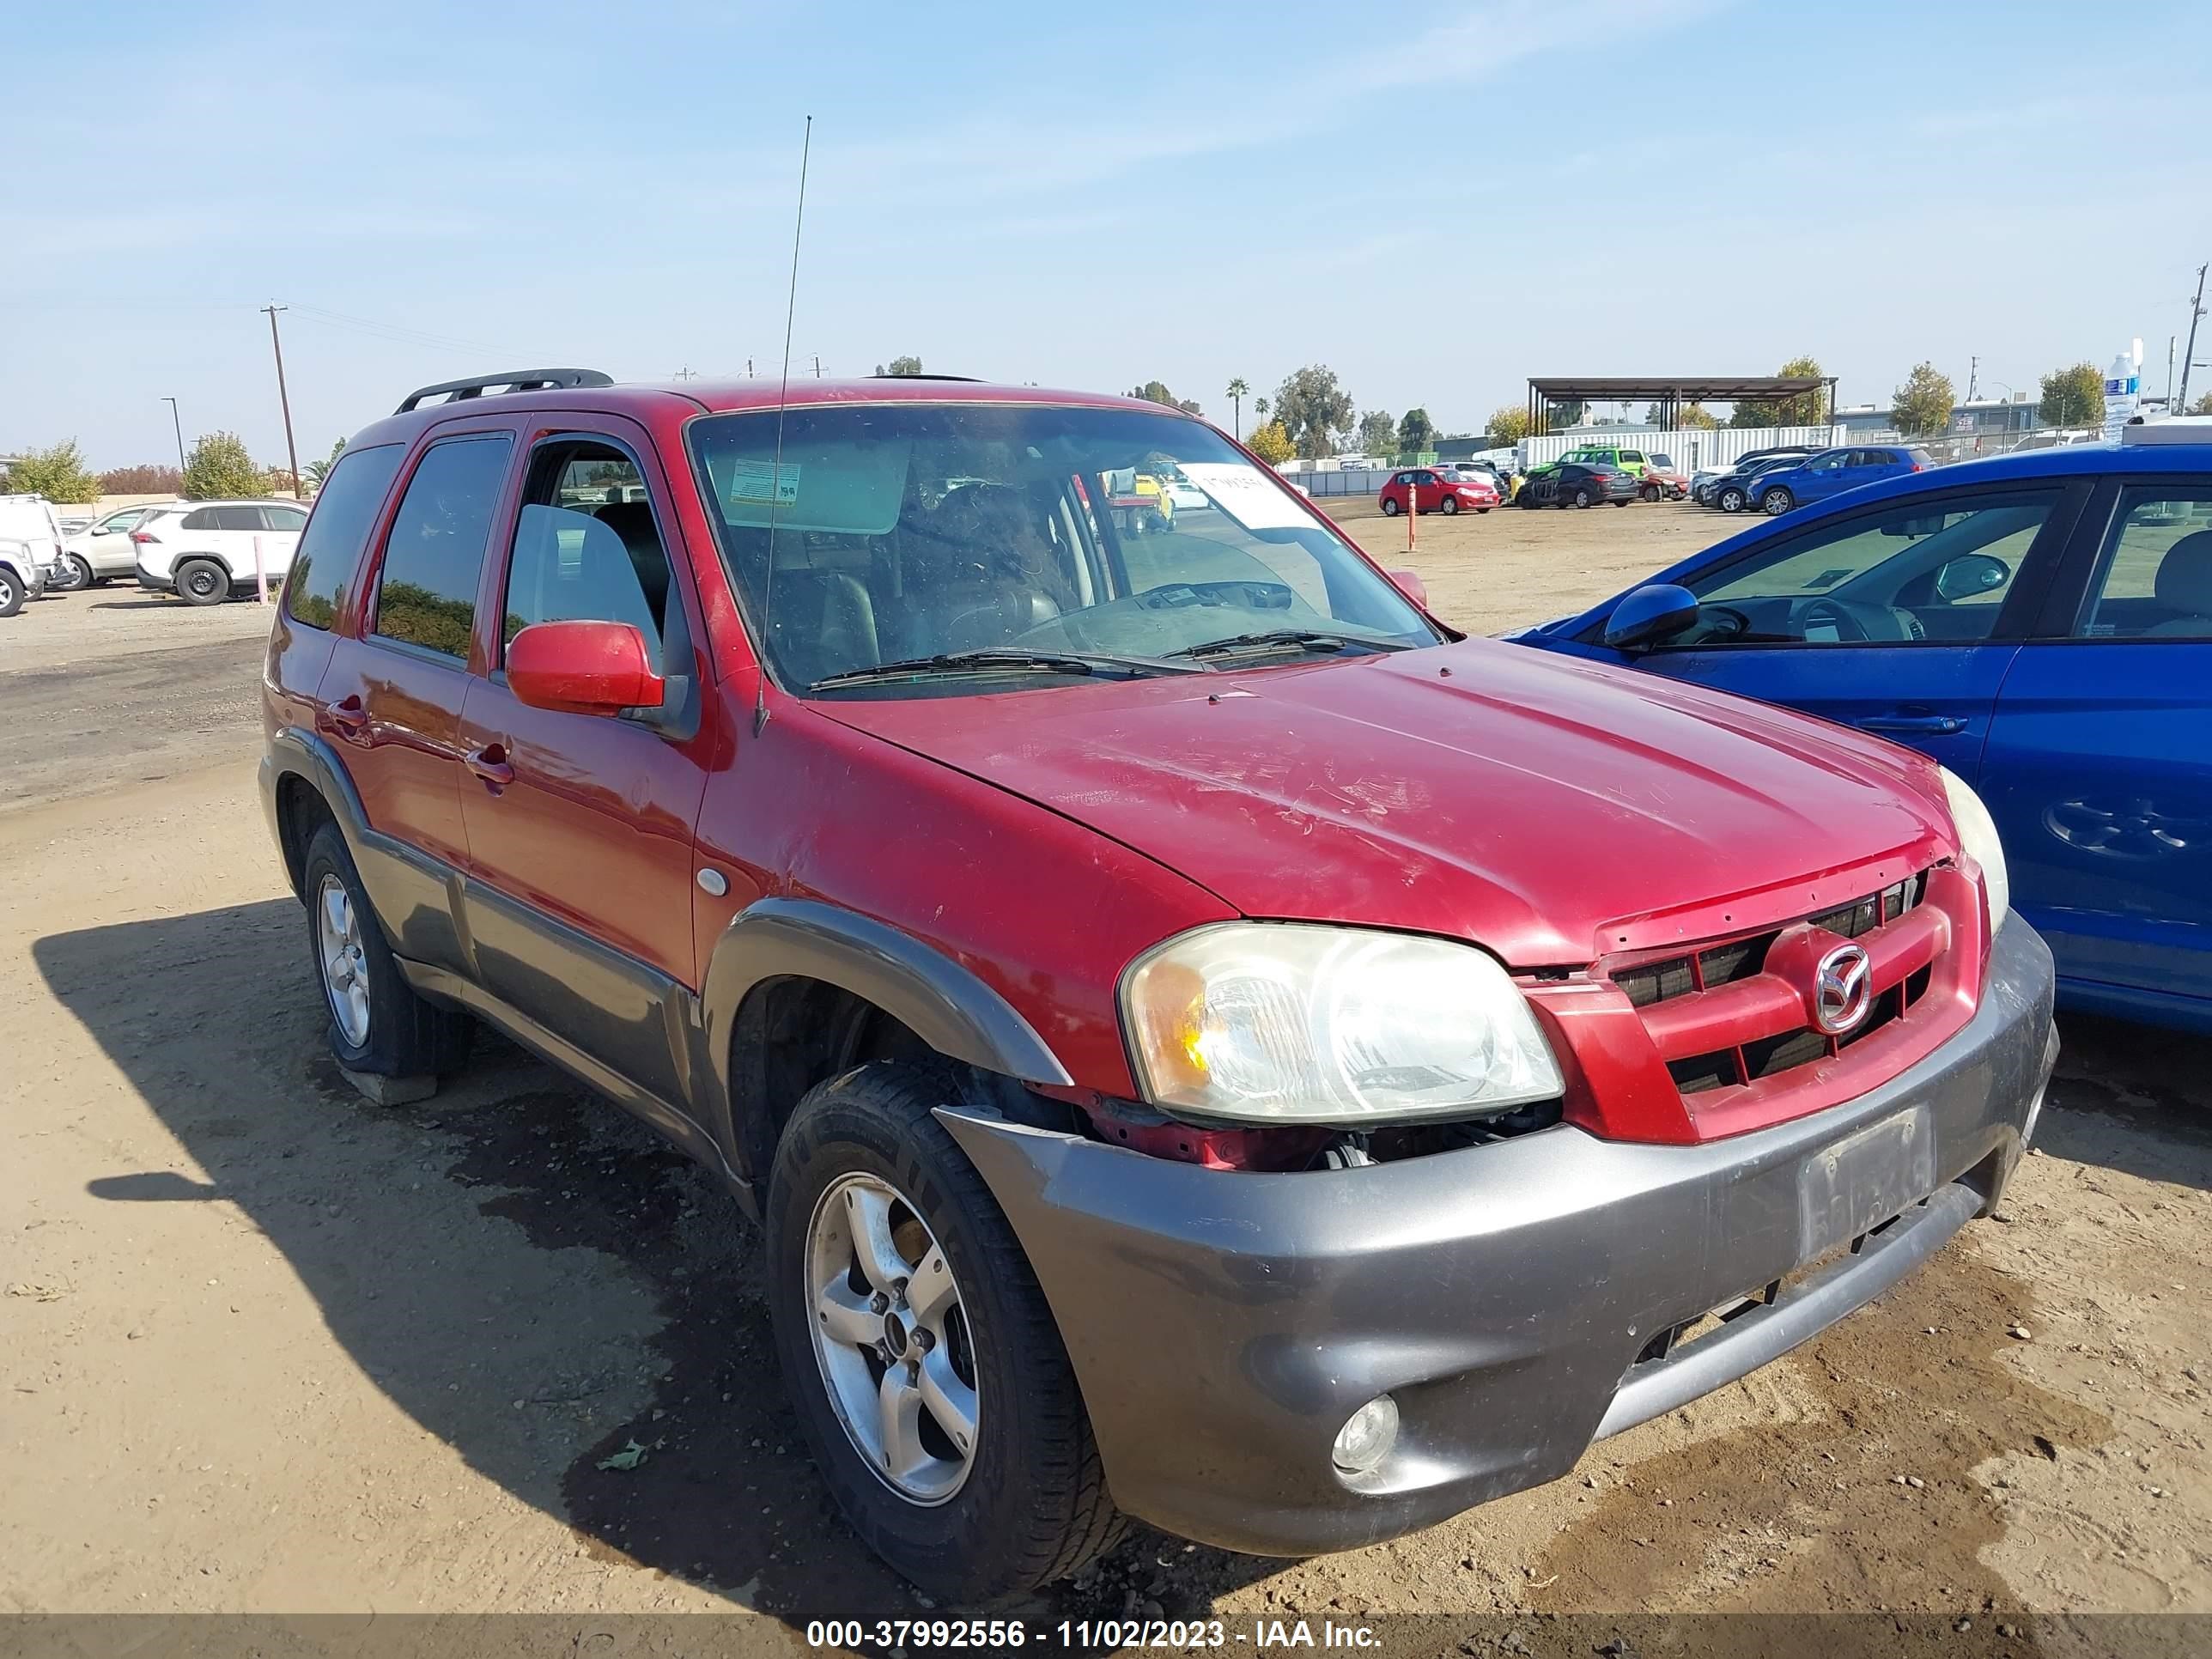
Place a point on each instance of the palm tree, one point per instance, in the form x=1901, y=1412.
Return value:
x=1236, y=394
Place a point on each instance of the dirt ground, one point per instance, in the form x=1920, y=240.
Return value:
x=267, y=1348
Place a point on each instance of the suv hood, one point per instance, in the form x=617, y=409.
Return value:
x=1547, y=807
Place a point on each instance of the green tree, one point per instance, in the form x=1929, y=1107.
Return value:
x=1378, y=433
x=1509, y=425
x=2072, y=396
x=1557, y=416
x=1156, y=392
x=1416, y=431
x=1923, y=404
x=57, y=474
x=319, y=470
x=1806, y=408
x=1271, y=443
x=1237, y=393
x=218, y=466
x=901, y=366
x=1312, y=407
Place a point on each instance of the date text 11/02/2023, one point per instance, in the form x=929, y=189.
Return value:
x=1085, y=1635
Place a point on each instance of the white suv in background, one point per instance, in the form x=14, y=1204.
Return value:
x=30, y=542
x=101, y=549
x=204, y=551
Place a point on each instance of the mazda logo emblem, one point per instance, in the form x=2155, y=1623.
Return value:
x=1843, y=989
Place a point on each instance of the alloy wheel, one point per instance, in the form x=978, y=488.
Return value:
x=892, y=1338
x=72, y=574
x=344, y=962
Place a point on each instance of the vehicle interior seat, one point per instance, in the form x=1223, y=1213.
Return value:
x=633, y=522
x=974, y=572
x=2183, y=586
x=822, y=620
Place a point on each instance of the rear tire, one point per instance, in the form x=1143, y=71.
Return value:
x=1389, y=507
x=1030, y=1504
x=1777, y=502
x=203, y=581
x=1581, y=498
x=405, y=1035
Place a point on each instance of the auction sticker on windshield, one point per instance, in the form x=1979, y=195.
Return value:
x=1245, y=495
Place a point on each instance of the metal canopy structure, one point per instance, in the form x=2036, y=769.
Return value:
x=1671, y=394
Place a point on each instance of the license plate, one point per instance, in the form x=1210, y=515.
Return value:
x=1864, y=1179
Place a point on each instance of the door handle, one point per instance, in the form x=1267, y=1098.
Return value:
x=346, y=717
x=1938, y=726
x=490, y=766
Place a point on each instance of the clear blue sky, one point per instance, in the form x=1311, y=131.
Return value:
x=1436, y=205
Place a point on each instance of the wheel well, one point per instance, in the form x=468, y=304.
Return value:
x=300, y=811
x=792, y=1033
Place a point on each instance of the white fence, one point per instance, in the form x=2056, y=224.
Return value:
x=1689, y=448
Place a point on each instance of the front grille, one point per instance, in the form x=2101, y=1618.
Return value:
x=1682, y=986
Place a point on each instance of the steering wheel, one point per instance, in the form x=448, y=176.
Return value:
x=1852, y=621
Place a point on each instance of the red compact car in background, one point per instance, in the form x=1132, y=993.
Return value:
x=1436, y=489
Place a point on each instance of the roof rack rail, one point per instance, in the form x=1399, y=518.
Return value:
x=520, y=380
x=965, y=380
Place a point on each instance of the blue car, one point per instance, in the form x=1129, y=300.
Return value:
x=2041, y=624
x=1833, y=471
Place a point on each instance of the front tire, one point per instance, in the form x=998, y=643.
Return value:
x=378, y=1024
x=1451, y=506
x=11, y=592
x=875, y=1221
x=1389, y=507
x=1650, y=492
x=203, y=581
x=72, y=576
x=1731, y=500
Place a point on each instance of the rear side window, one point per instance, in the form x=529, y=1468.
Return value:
x=427, y=593
x=201, y=518
x=284, y=518
x=346, y=509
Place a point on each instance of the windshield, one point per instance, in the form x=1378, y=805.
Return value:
x=905, y=531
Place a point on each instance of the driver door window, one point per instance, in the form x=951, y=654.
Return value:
x=1927, y=570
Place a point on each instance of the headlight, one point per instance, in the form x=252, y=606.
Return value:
x=1977, y=835
x=1290, y=1022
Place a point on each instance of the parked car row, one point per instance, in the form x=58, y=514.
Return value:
x=204, y=552
x=1780, y=480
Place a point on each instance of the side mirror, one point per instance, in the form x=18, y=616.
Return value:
x=1652, y=613
x=1412, y=586
x=582, y=668
x=1971, y=573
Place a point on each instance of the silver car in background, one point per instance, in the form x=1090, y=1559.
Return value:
x=101, y=549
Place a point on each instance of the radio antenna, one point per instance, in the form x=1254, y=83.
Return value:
x=775, y=474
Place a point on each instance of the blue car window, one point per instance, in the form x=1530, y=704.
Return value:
x=1924, y=570
x=2153, y=576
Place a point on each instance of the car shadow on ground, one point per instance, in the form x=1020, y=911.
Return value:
x=2131, y=1097
x=533, y=1276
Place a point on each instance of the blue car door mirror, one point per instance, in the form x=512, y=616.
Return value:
x=1657, y=612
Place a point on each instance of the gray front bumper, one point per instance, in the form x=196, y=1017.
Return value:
x=1223, y=1325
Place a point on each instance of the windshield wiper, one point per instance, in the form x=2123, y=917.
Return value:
x=1310, y=638
x=1004, y=658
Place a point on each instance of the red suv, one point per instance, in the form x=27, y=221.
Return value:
x=1203, y=1040
x=1436, y=490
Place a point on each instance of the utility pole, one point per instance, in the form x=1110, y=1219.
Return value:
x=818, y=365
x=2171, y=341
x=2189, y=352
x=283, y=397
x=1974, y=377
x=687, y=373
x=177, y=422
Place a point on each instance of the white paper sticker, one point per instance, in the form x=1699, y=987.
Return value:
x=1254, y=502
x=763, y=480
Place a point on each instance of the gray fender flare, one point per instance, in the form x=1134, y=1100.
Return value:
x=941, y=1002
